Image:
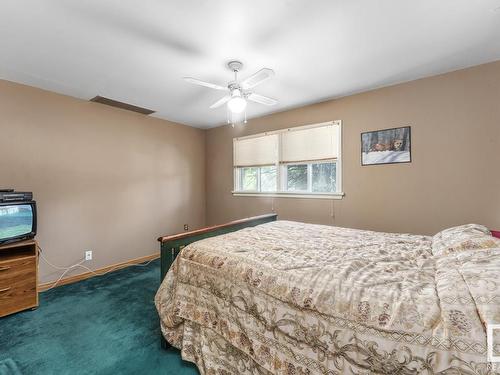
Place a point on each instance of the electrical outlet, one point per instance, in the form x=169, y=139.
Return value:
x=186, y=227
x=88, y=255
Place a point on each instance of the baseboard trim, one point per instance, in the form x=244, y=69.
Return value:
x=87, y=275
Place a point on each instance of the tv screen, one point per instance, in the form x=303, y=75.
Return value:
x=17, y=221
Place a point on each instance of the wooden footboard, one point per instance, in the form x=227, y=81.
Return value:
x=171, y=246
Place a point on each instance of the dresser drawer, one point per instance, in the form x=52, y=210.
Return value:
x=15, y=270
x=17, y=285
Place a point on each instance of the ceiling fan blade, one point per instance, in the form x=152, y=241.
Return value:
x=256, y=79
x=220, y=102
x=203, y=83
x=262, y=99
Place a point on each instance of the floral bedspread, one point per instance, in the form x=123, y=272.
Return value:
x=294, y=298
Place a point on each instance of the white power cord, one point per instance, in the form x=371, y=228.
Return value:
x=80, y=265
x=53, y=265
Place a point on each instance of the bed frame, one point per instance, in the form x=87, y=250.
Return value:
x=170, y=246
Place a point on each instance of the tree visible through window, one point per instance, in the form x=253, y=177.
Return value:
x=323, y=177
x=268, y=178
x=296, y=177
x=249, y=179
x=311, y=177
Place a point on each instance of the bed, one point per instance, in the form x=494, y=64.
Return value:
x=261, y=296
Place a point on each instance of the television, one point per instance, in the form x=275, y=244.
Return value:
x=17, y=221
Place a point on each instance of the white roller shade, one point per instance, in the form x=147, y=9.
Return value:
x=255, y=151
x=315, y=143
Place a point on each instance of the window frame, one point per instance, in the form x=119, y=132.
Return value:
x=281, y=172
x=309, y=164
x=284, y=181
x=238, y=177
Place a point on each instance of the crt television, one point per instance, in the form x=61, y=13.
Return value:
x=17, y=221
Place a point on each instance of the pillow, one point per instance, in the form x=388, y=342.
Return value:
x=463, y=237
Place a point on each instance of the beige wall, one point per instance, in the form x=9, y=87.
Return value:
x=111, y=181
x=454, y=177
x=104, y=179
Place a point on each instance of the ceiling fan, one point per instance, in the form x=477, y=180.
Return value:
x=239, y=92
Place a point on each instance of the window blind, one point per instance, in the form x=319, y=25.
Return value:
x=255, y=151
x=309, y=144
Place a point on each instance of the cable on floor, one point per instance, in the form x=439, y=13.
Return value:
x=80, y=265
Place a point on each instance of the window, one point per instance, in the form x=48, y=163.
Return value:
x=296, y=177
x=268, y=178
x=249, y=179
x=257, y=179
x=311, y=177
x=303, y=161
x=324, y=177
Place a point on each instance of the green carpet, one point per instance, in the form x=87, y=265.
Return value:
x=9, y=367
x=104, y=325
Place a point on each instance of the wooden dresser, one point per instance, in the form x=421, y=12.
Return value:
x=18, y=277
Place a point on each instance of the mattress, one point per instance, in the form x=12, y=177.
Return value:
x=295, y=298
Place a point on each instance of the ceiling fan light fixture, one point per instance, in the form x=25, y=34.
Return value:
x=238, y=93
x=236, y=104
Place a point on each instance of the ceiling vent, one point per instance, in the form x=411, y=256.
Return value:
x=117, y=104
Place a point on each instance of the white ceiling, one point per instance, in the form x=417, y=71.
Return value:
x=138, y=51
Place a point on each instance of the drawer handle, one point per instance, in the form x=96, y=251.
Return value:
x=4, y=268
x=4, y=290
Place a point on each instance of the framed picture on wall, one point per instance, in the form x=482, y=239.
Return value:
x=387, y=146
